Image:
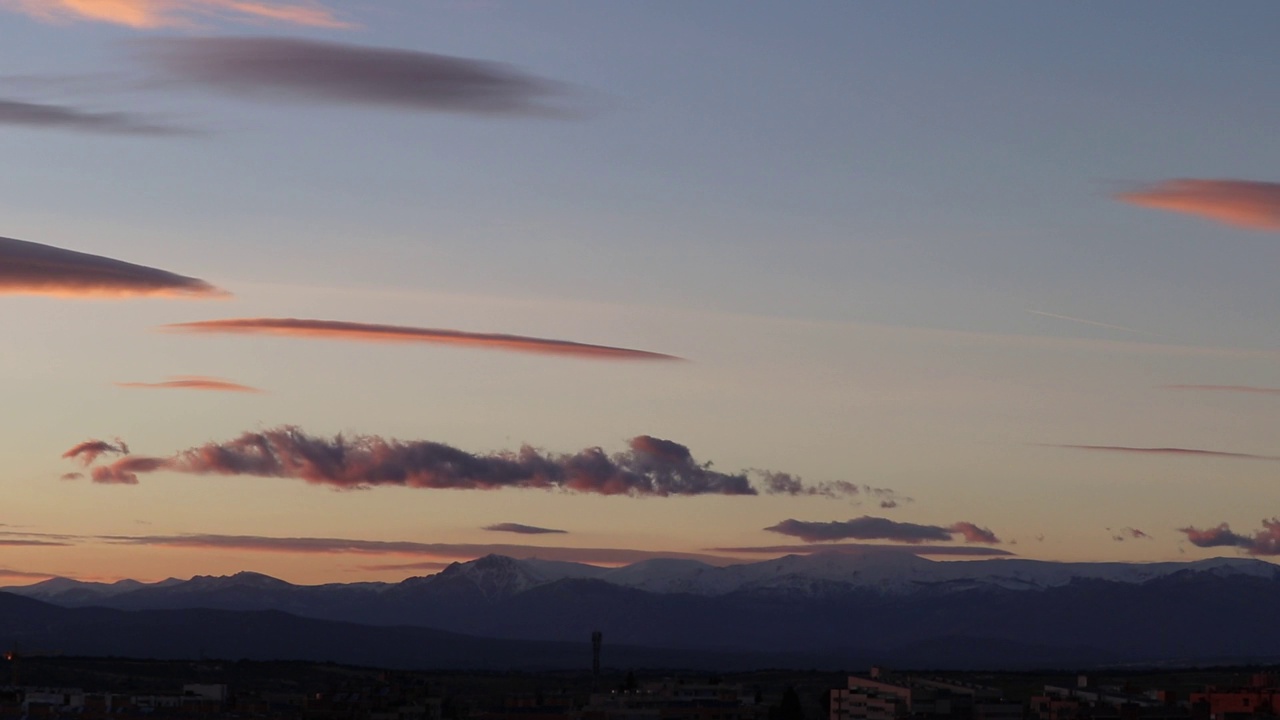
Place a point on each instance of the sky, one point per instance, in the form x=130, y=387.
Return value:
x=342, y=291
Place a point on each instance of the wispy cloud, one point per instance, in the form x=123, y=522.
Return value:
x=367, y=332
x=1242, y=203
x=912, y=549
x=24, y=575
x=1083, y=321
x=28, y=268
x=1252, y=389
x=18, y=542
x=1175, y=451
x=64, y=117
x=1128, y=533
x=876, y=528
x=151, y=14
x=89, y=450
x=1263, y=542
x=277, y=69
x=522, y=529
x=192, y=382
x=455, y=551
x=649, y=467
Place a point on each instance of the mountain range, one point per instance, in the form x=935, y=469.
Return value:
x=827, y=609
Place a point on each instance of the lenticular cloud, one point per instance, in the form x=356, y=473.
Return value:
x=648, y=467
x=28, y=268
x=378, y=333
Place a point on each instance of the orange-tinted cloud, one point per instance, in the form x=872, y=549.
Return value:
x=28, y=268
x=650, y=467
x=876, y=528
x=151, y=14
x=1242, y=203
x=1252, y=389
x=366, y=332
x=1263, y=542
x=1176, y=451
x=193, y=382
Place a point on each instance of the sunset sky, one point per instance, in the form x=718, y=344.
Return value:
x=343, y=290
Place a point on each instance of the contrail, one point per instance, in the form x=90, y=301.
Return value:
x=1095, y=323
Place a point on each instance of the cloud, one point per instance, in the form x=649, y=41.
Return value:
x=62, y=117
x=1129, y=533
x=511, y=527
x=24, y=575
x=125, y=470
x=1191, y=452
x=151, y=14
x=914, y=549
x=875, y=528
x=649, y=467
x=28, y=268
x=275, y=68
x=456, y=551
x=1263, y=542
x=365, y=332
x=89, y=450
x=1226, y=388
x=15, y=542
x=1083, y=321
x=974, y=534
x=1242, y=203
x=193, y=382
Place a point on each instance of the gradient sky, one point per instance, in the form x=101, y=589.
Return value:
x=1008, y=264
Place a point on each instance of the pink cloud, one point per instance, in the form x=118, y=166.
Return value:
x=193, y=382
x=1263, y=542
x=366, y=332
x=152, y=14
x=88, y=451
x=1243, y=203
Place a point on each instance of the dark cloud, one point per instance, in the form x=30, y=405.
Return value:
x=863, y=528
x=1129, y=533
x=28, y=268
x=1242, y=203
x=1188, y=452
x=368, y=332
x=89, y=450
x=914, y=549
x=62, y=117
x=876, y=528
x=192, y=382
x=15, y=542
x=651, y=467
x=1253, y=389
x=276, y=68
x=521, y=529
x=1263, y=542
x=453, y=551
